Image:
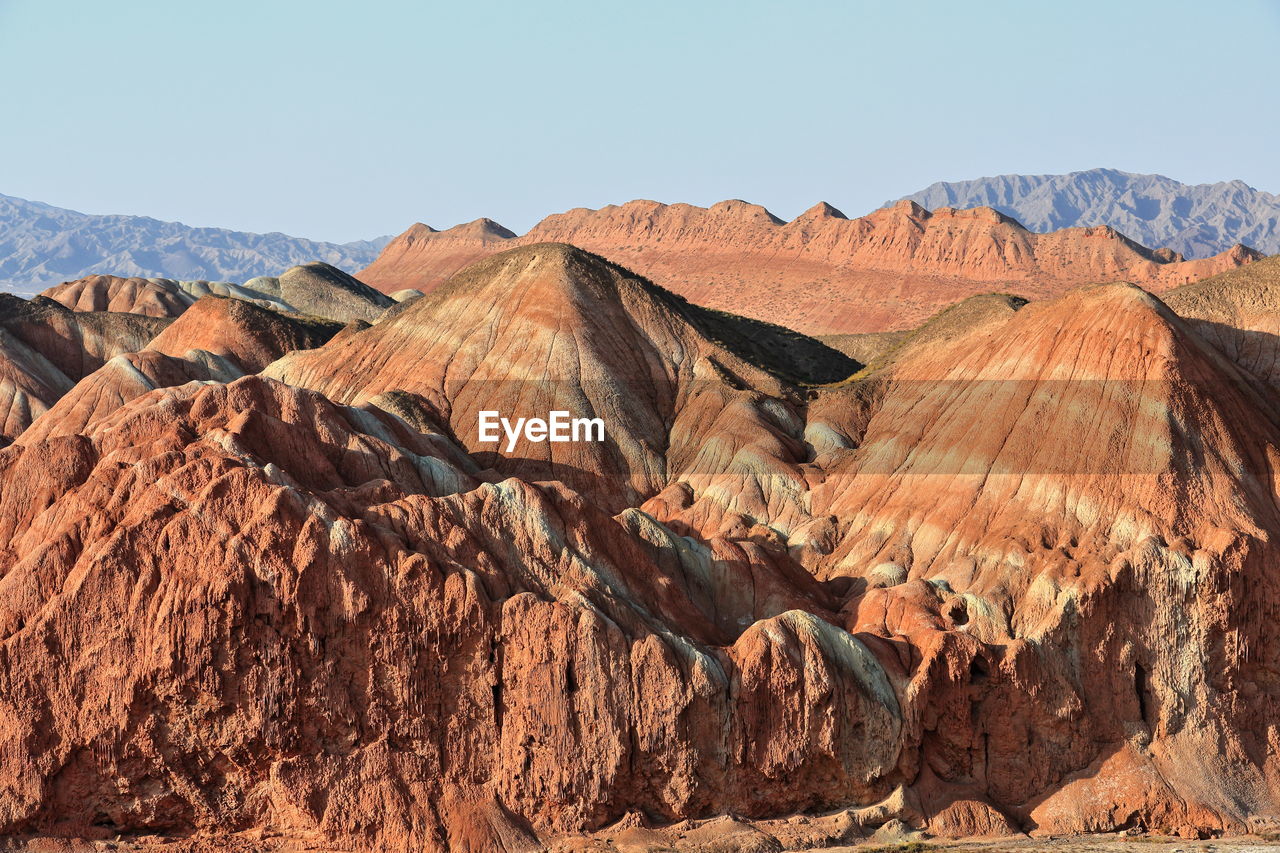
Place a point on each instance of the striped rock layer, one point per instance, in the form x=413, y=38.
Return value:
x=1013, y=575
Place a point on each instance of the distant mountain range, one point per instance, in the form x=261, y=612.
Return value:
x=1196, y=220
x=821, y=273
x=41, y=245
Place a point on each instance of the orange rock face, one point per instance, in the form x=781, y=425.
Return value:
x=1014, y=576
x=549, y=327
x=126, y=295
x=216, y=340
x=820, y=273
x=246, y=335
x=46, y=348
x=309, y=290
x=424, y=258
x=153, y=297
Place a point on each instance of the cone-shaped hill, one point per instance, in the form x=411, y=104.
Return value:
x=551, y=327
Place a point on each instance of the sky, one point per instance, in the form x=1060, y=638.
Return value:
x=342, y=121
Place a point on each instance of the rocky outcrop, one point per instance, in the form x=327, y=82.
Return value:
x=422, y=257
x=880, y=349
x=1079, y=553
x=120, y=380
x=154, y=297
x=319, y=291
x=46, y=348
x=1239, y=313
x=549, y=327
x=1014, y=578
x=217, y=340
x=314, y=290
x=29, y=385
x=394, y=653
x=85, y=364
x=247, y=336
x=821, y=273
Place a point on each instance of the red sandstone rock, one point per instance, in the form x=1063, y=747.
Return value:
x=155, y=297
x=218, y=339
x=423, y=258
x=398, y=639
x=123, y=295
x=311, y=290
x=246, y=335
x=1060, y=545
x=1017, y=577
x=46, y=348
x=820, y=273
x=681, y=391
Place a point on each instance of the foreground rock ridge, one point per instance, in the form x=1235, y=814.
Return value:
x=821, y=273
x=1012, y=571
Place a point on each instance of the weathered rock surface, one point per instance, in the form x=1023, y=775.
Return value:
x=392, y=651
x=1239, y=312
x=244, y=334
x=877, y=350
x=1097, y=510
x=1014, y=577
x=217, y=340
x=315, y=290
x=29, y=385
x=821, y=273
x=679, y=389
x=155, y=297
x=423, y=257
x=45, y=348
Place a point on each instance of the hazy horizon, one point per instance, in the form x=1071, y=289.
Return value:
x=316, y=121
x=442, y=226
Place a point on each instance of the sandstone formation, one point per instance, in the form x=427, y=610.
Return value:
x=105, y=358
x=310, y=290
x=1150, y=495
x=29, y=385
x=155, y=297
x=1239, y=313
x=550, y=327
x=879, y=349
x=217, y=340
x=246, y=335
x=821, y=273
x=424, y=257
x=46, y=348
x=406, y=295
x=1012, y=576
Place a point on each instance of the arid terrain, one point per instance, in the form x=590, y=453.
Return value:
x=820, y=273
x=973, y=565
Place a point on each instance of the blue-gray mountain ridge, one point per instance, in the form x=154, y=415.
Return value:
x=43, y=245
x=1195, y=220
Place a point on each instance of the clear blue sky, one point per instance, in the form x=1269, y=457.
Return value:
x=343, y=120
